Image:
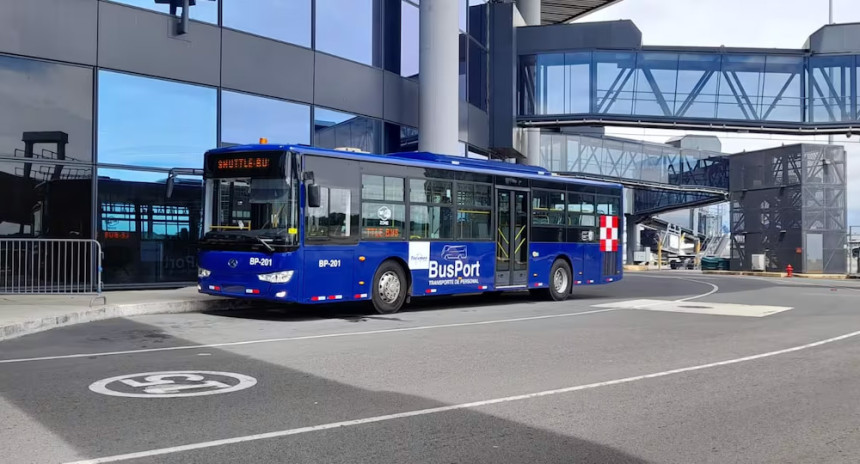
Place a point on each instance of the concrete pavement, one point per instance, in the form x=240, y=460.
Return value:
x=453, y=381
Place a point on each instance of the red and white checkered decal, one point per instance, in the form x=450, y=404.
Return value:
x=608, y=233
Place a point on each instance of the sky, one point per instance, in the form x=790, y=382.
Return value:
x=738, y=23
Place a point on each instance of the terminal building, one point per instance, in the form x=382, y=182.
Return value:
x=100, y=99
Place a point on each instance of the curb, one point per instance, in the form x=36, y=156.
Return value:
x=19, y=329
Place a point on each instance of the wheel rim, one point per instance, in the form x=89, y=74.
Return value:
x=559, y=280
x=389, y=287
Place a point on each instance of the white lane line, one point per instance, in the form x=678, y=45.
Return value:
x=714, y=287
x=424, y=412
x=307, y=337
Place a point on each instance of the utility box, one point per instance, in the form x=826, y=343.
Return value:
x=758, y=262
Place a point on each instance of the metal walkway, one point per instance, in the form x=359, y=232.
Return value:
x=724, y=89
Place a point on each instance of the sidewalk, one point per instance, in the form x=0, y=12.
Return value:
x=25, y=314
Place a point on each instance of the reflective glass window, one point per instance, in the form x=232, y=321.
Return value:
x=698, y=80
x=334, y=129
x=462, y=11
x=462, y=67
x=45, y=199
x=287, y=21
x=781, y=89
x=615, y=84
x=478, y=78
x=473, y=211
x=246, y=118
x=147, y=237
x=740, y=88
x=50, y=105
x=548, y=208
x=478, y=17
x=409, y=40
x=829, y=88
x=154, y=122
x=345, y=28
x=204, y=10
x=656, y=81
x=336, y=220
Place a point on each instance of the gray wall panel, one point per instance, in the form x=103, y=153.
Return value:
x=400, y=100
x=561, y=37
x=279, y=70
x=140, y=41
x=56, y=29
x=479, y=127
x=463, y=121
x=348, y=86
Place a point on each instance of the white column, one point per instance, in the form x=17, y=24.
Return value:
x=530, y=11
x=439, y=30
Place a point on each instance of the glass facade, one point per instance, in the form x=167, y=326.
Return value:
x=85, y=152
x=246, y=118
x=335, y=129
x=154, y=122
x=203, y=10
x=287, y=21
x=677, y=86
x=345, y=28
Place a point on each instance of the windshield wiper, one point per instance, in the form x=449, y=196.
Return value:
x=266, y=244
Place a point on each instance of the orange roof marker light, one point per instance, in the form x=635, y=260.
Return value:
x=263, y=140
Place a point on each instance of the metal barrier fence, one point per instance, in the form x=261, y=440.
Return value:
x=50, y=266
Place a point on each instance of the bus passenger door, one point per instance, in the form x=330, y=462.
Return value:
x=512, y=238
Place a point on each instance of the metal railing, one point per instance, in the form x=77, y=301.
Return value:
x=50, y=266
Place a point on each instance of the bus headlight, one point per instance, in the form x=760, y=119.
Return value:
x=276, y=277
x=203, y=272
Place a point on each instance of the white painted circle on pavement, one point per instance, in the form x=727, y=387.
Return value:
x=173, y=384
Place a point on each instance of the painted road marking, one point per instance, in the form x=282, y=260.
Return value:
x=454, y=407
x=306, y=337
x=715, y=309
x=713, y=290
x=173, y=384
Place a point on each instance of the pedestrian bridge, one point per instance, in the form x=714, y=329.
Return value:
x=572, y=75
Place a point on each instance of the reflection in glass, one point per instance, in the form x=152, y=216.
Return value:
x=409, y=27
x=656, y=81
x=739, y=95
x=204, y=10
x=614, y=86
x=478, y=17
x=287, y=21
x=698, y=79
x=147, y=237
x=246, y=118
x=781, y=90
x=830, y=92
x=345, y=28
x=478, y=78
x=334, y=129
x=462, y=67
x=50, y=105
x=45, y=200
x=153, y=122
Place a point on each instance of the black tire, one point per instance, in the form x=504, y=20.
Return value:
x=560, y=280
x=390, y=299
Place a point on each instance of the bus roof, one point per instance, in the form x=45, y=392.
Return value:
x=423, y=159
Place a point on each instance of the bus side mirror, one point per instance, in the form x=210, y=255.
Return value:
x=313, y=193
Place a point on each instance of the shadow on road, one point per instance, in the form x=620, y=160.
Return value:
x=283, y=398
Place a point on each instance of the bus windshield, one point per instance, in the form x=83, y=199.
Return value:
x=261, y=208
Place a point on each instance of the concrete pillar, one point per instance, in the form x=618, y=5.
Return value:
x=439, y=30
x=530, y=11
x=632, y=242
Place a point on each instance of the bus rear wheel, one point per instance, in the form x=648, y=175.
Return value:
x=389, y=288
x=560, y=282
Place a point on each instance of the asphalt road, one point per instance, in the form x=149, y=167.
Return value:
x=466, y=380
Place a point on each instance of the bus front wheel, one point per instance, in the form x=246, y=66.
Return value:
x=389, y=288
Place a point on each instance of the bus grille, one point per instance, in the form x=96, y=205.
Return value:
x=610, y=263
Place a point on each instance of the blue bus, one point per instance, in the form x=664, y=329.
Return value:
x=294, y=223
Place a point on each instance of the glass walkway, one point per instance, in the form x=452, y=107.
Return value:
x=773, y=91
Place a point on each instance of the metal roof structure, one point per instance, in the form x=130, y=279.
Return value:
x=562, y=11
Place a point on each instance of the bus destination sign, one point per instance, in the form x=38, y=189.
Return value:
x=260, y=164
x=245, y=162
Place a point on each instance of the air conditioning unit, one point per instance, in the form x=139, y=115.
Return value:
x=758, y=262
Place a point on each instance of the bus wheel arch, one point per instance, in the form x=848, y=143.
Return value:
x=391, y=286
x=560, y=280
